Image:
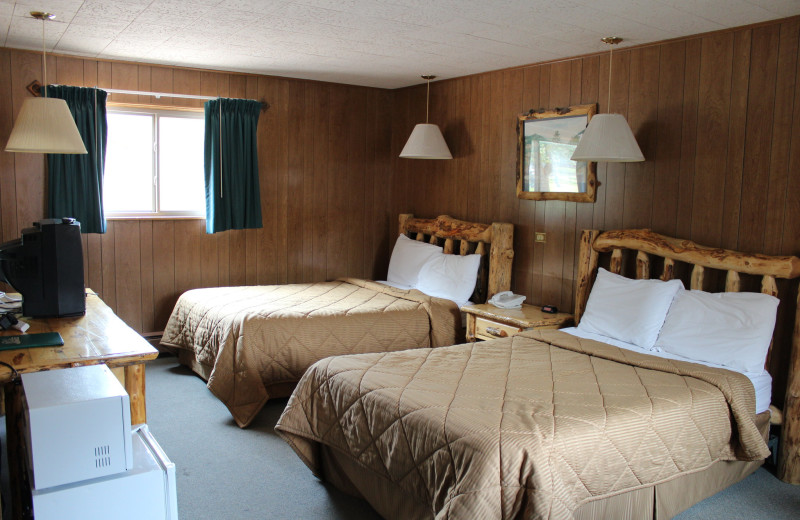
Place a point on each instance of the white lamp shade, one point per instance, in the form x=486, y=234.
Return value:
x=426, y=142
x=608, y=138
x=45, y=125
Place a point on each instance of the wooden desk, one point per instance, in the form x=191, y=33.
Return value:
x=97, y=337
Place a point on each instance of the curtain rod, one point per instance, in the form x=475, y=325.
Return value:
x=156, y=94
x=264, y=103
x=34, y=88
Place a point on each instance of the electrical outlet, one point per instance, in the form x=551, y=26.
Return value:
x=541, y=237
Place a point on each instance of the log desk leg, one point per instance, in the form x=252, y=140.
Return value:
x=135, y=386
x=21, y=504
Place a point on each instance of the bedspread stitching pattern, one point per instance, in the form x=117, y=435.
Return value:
x=258, y=336
x=566, y=421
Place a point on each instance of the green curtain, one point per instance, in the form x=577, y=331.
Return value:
x=76, y=180
x=233, y=199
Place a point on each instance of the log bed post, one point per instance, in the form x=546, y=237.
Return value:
x=768, y=286
x=789, y=454
x=501, y=256
x=404, y=218
x=587, y=266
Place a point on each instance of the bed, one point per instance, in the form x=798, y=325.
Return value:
x=551, y=424
x=253, y=343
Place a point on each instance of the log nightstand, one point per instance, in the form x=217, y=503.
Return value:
x=485, y=321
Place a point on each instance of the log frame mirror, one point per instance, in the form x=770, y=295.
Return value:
x=546, y=139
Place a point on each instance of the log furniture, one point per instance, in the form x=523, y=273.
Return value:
x=651, y=247
x=99, y=336
x=535, y=409
x=486, y=322
x=519, y=407
x=470, y=238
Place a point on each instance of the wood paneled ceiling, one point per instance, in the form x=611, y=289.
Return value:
x=379, y=43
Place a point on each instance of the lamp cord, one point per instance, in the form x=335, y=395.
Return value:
x=610, y=62
x=44, y=61
x=427, y=102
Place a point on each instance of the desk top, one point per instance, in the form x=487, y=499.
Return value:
x=99, y=336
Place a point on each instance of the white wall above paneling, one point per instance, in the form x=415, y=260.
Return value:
x=379, y=43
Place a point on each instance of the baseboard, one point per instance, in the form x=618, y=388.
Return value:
x=154, y=338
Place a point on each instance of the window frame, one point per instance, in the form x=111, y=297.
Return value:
x=157, y=111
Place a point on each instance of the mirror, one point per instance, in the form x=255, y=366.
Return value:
x=546, y=141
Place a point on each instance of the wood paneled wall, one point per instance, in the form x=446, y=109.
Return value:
x=324, y=170
x=717, y=117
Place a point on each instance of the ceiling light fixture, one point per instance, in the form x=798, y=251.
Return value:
x=426, y=140
x=608, y=138
x=45, y=125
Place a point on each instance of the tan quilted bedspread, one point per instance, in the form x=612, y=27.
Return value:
x=256, y=336
x=526, y=427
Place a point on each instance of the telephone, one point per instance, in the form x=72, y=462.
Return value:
x=507, y=300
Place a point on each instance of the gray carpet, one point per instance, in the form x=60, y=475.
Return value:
x=226, y=472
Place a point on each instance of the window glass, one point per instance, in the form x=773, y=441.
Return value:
x=180, y=144
x=154, y=163
x=128, y=180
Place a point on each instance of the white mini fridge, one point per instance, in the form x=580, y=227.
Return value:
x=146, y=491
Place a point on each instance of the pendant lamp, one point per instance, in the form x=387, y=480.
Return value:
x=426, y=140
x=45, y=125
x=608, y=138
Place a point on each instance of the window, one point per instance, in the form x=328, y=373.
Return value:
x=154, y=163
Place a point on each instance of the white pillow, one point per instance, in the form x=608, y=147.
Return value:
x=450, y=276
x=408, y=257
x=632, y=311
x=729, y=329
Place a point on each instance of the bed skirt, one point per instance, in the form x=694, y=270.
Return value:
x=656, y=502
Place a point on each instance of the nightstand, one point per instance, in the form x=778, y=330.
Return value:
x=486, y=321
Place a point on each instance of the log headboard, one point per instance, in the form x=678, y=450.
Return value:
x=494, y=275
x=669, y=254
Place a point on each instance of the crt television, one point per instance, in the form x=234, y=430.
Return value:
x=45, y=265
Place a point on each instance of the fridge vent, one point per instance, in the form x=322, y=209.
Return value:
x=102, y=456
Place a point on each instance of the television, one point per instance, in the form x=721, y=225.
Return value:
x=45, y=265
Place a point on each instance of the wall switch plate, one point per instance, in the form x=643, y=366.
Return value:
x=540, y=237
